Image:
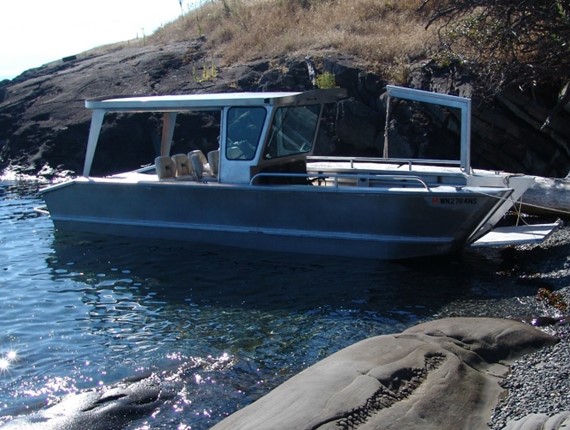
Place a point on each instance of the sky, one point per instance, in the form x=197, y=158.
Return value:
x=36, y=32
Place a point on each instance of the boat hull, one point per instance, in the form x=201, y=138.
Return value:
x=354, y=222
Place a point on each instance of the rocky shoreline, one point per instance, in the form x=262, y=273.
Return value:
x=528, y=393
x=442, y=374
x=537, y=386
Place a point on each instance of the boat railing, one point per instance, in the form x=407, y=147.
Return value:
x=339, y=179
x=410, y=162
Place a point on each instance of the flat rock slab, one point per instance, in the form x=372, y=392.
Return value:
x=112, y=408
x=541, y=422
x=442, y=374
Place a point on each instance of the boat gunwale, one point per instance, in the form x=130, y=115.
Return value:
x=172, y=182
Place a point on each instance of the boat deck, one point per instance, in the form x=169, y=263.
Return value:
x=358, y=180
x=347, y=173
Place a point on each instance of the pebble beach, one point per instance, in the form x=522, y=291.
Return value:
x=537, y=388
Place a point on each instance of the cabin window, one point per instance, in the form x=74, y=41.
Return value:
x=244, y=129
x=292, y=131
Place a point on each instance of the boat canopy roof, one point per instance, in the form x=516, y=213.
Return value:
x=171, y=105
x=177, y=103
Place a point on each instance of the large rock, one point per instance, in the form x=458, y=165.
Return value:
x=559, y=421
x=439, y=375
x=111, y=408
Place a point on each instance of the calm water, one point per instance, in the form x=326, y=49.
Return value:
x=81, y=312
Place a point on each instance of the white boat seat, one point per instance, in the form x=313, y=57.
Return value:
x=183, y=166
x=199, y=163
x=214, y=161
x=165, y=167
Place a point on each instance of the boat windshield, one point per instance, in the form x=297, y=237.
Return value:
x=292, y=131
x=244, y=128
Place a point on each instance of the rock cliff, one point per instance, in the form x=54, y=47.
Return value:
x=44, y=125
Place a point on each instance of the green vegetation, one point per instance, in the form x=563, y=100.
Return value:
x=209, y=73
x=326, y=80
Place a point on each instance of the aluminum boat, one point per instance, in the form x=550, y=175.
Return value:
x=263, y=189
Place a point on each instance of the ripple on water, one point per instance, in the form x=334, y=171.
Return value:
x=221, y=326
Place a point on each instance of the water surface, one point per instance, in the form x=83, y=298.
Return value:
x=226, y=326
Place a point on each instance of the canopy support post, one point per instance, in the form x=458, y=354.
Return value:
x=94, y=131
x=168, y=123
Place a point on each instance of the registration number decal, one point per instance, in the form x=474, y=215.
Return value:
x=454, y=200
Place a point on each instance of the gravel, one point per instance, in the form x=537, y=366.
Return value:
x=539, y=383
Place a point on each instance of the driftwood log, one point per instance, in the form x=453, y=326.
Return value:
x=548, y=196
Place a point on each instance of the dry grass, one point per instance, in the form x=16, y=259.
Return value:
x=385, y=33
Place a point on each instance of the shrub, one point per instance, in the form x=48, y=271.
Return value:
x=326, y=80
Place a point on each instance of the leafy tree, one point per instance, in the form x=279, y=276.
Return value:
x=522, y=42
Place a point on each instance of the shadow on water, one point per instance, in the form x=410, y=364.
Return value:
x=228, y=278
x=198, y=281
x=237, y=301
